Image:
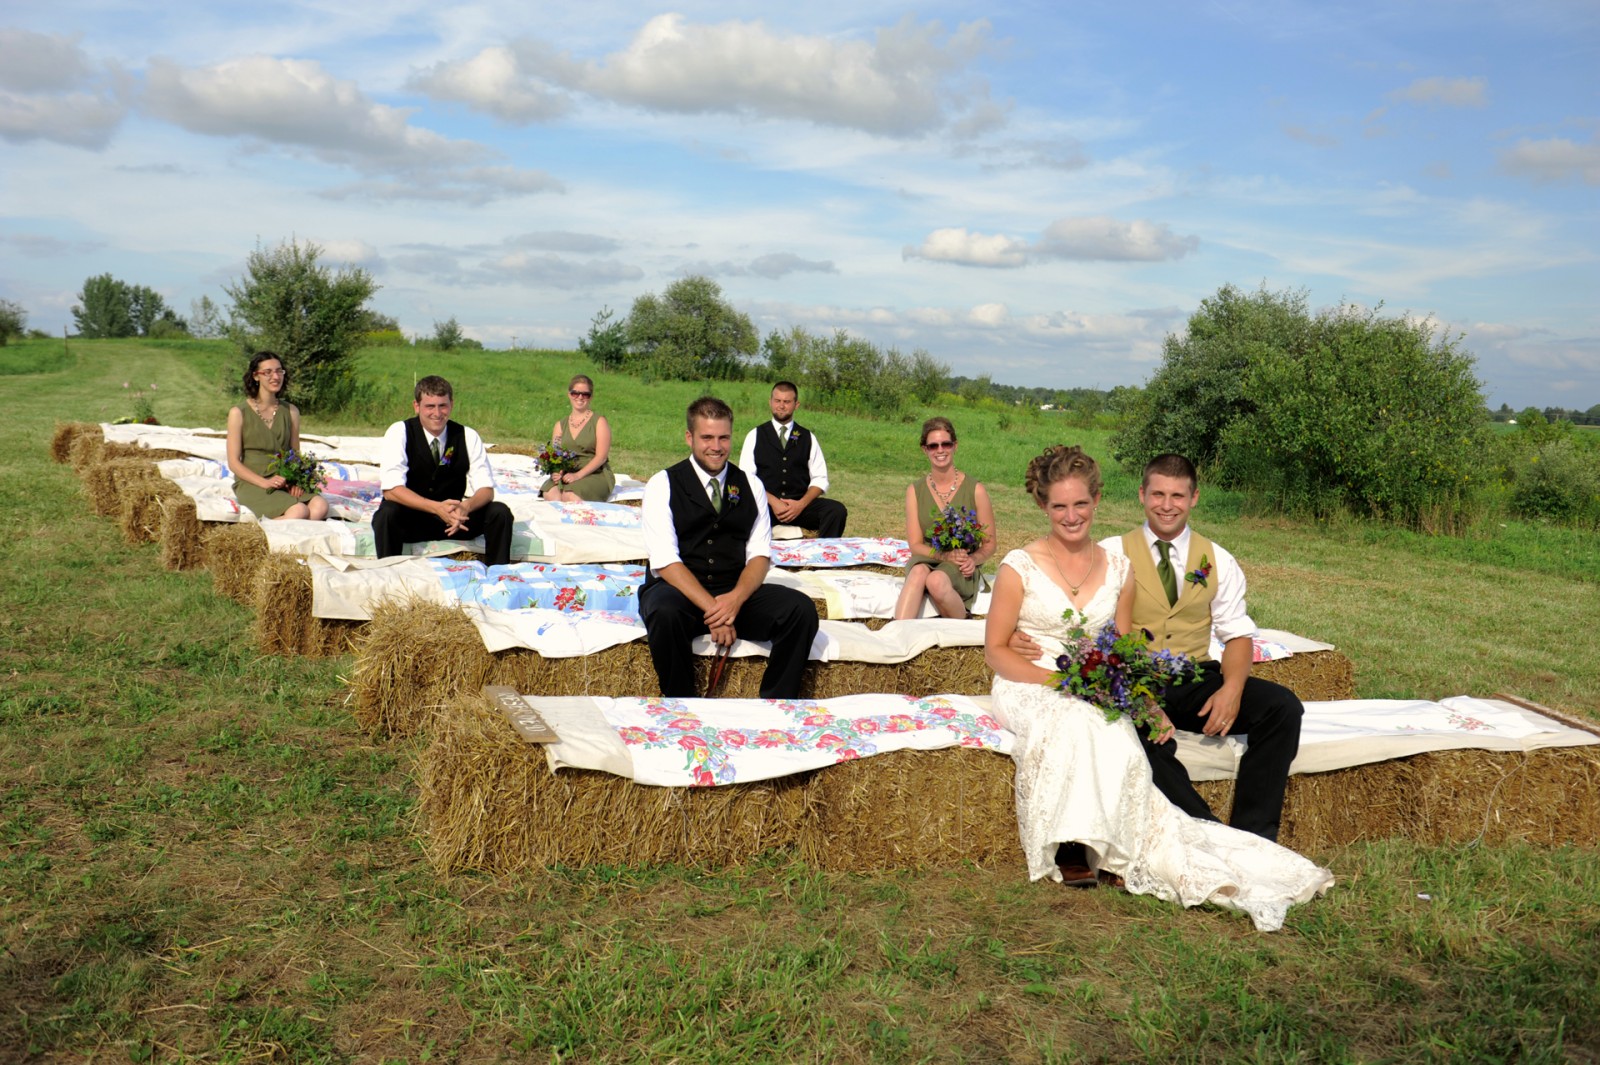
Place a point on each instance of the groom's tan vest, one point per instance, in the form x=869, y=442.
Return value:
x=1185, y=626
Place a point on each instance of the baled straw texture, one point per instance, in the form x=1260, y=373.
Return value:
x=84, y=449
x=281, y=596
x=916, y=810
x=489, y=801
x=182, y=536
x=412, y=659
x=106, y=480
x=1315, y=676
x=142, y=504
x=66, y=433
x=233, y=553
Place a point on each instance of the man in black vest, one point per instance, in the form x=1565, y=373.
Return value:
x=710, y=542
x=788, y=459
x=436, y=481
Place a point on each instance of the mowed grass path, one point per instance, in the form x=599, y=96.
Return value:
x=202, y=859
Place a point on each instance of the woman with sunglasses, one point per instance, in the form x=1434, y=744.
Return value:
x=258, y=429
x=588, y=434
x=950, y=577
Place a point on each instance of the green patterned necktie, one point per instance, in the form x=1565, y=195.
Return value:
x=436, y=450
x=1169, y=580
x=716, y=494
x=783, y=438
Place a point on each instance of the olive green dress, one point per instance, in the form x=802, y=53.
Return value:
x=597, y=486
x=929, y=512
x=260, y=443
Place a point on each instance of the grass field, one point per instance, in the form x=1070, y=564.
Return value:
x=202, y=859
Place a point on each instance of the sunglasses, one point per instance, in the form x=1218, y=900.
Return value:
x=575, y=392
x=939, y=445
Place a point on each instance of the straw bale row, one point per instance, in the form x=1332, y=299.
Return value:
x=414, y=658
x=490, y=802
x=280, y=593
x=233, y=554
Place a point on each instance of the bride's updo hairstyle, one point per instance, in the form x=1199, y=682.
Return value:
x=1057, y=464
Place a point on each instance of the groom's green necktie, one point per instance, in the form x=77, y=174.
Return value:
x=783, y=438
x=436, y=449
x=716, y=494
x=1169, y=580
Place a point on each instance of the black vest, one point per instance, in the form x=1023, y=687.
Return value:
x=784, y=471
x=446, y=479
x=712, y=545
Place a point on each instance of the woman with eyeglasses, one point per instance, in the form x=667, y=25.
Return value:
x=258, y=429
x=588, y=434
x=947, y=577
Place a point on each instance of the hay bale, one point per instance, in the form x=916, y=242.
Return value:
x=106, y=480
x=233, y=553
x=84, y=449
x=916, y=810
x=1549, y=796
x=489, y=801
x=142, y=503
x=1315, y=676
x=181, y=534
x=281, y=597
x=411, y=660
x=65, y=434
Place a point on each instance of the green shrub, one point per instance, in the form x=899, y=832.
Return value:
x=384, y=338
x=689, y=333
x=313, y=318
x=844, y=373
x=1554, y=475
x=13, y=321
x=1346, y=410
x=607, y=342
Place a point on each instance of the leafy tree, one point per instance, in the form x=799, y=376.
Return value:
x=147, y=308
x=205, y=318
x=844, y=373
x=607, y=342
x=689, y=332
x=13, y=321
x=314, y=318
x=104, y=309
x=928, y=376
x=375, y=322
x=447, y=334
x=1343, y=410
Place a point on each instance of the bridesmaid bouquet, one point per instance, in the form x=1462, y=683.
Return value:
x=1118, y=672
x=300, y=470
x=556, y=460
x=957, y=528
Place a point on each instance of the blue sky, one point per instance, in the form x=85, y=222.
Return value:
x=1041, y=192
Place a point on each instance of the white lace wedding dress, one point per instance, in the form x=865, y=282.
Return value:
x=1083, y=778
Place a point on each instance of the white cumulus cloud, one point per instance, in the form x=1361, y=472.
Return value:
x=909, y=79
x=50, y=90
x=1445, y=92
x=1555, y=159
x=1094, y=238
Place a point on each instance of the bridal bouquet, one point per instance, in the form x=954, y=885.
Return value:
x=556, y=460
x=1118, y=672
x=957, y=528
x=300, y=470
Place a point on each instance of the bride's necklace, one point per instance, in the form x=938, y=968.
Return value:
x=1094, y=563
x=944, y=498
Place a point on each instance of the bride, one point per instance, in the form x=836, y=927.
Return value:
x=1085, y=798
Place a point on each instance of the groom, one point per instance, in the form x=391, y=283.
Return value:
x=1185, y=588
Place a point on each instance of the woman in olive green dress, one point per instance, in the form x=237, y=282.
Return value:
x=260, y=427
x=589, y=434
x=949, y=578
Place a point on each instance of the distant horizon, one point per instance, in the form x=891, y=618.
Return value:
x=1041, y=194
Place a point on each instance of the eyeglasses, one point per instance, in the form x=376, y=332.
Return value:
x=272, y=373
x=939, y=445
x=573, y=392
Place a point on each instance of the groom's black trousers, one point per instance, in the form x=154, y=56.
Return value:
x=1269, y=717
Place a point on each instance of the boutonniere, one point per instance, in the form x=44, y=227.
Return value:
x=732, y=497
x=1201, y=572
x=449, y=453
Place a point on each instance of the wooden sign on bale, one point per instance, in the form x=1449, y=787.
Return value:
x=524, y=718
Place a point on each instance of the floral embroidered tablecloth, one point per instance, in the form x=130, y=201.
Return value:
x=613, y=589
x=705, y=742
x=841, y=551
